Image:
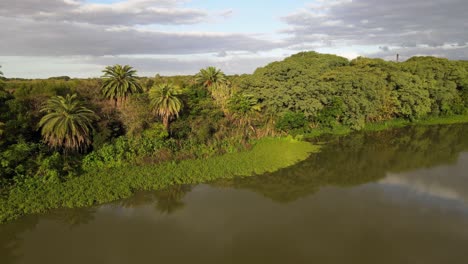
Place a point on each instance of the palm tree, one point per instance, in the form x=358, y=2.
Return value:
x=165, y=102
x=119, y=82
x=67, y=124
x=210, y=77
x=215, y=81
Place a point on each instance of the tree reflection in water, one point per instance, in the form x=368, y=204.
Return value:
x=360, y=158
x=166, y=201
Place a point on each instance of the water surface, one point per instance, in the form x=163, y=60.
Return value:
x=398, y=196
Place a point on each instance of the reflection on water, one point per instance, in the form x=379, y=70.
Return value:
x=397, y=196
x=165, y=201
x=362, y=158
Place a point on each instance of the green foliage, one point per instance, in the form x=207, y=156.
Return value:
x=119, y=82
x=360, y=158
x=123, y=151
x=39, y=89
x=137, y=115
x=34, y=195
x=307, y=93
x=16, y=161
x=330, y=115
x=64, y=78
x=165, y=102
x=216, y=82
x=211, y=77
x=243, y=104
x=291, y=121
x=371, y=90
x=293, y=84
x=67, y=123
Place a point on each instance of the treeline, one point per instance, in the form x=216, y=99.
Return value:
x=58, y=128
x=327, y=90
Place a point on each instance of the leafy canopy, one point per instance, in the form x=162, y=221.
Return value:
x=165, y=102
x=119, y=82
x=211, y=76
x=67, y=123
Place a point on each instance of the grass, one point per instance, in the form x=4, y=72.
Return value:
x=36, y=196
x=395, y=123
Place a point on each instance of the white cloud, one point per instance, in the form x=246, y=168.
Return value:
x=399, y=23
x=136, y=12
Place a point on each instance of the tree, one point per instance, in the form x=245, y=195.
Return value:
x=215, y=81
x=165, y=102
x=210, y=76
x=67, y=124
x=119, y=82
x=4, y=96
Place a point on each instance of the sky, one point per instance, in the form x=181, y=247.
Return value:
x=79, y=38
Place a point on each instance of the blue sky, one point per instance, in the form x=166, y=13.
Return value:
x=79, y=38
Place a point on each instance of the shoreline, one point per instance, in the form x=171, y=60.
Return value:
x=107, y=185
x=394, y=123
x=99, y=187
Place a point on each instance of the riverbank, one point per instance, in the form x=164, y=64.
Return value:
x=395, y=123
x=101, y=186
x=33, y=196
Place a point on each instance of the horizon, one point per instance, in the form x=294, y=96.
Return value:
x=193, y=74
x=79, y=38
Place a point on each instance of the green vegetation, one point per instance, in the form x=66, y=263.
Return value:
x=332, y=91
x=93, y=129
x=360, y=158
x=67, y=124
x=119, y=82
x=216, y=82
x=394, y=123
x=165, y=102
x=37, y=195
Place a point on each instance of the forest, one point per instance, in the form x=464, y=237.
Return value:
x=63, y=131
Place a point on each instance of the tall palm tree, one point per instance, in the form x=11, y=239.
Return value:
x=215, y=81
x=211, y=77
x=165, y=102
x=119, y=82
x=67, y=124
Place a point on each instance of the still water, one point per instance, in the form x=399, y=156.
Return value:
x=398, y=196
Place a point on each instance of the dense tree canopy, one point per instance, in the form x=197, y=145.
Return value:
x=359, y=91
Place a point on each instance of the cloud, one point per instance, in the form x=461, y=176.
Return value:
x=27, y=37
x=78, y=28
x=444, y=182
x=125, y=13
x=399, y=23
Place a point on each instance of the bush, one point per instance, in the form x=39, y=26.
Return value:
x=291, y=121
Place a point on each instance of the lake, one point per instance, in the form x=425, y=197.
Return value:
x=396, y=196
